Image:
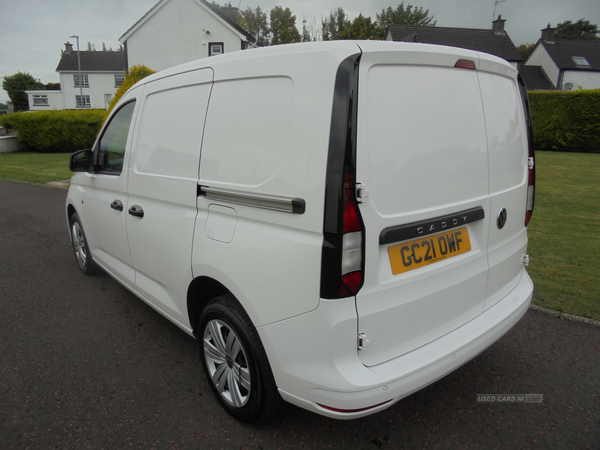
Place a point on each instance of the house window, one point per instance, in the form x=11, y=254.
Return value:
x=82, y=101
x=215, y=48
x=84, y=81
x=40, y=100
x=119, y=79
x=581, y=61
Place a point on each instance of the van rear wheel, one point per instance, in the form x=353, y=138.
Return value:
x=235, y=362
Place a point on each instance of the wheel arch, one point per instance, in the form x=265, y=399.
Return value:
x=201, y=291
x=70, y=211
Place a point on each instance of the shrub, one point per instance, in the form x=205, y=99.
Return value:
x=567, y=121
x=56, y=131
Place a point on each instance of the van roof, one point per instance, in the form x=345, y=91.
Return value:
x=255, y=57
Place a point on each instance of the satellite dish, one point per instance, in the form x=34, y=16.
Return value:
x=568, y=86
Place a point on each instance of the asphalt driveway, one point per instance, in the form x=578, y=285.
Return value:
x=85, y=364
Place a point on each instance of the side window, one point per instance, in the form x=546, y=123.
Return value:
x=111, y=148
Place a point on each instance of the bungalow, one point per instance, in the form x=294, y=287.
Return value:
x=494, y=41
x=178, y=31
x=102, y=72
x=567, y=63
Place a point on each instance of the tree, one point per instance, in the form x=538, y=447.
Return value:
x=16, y=85
x=91, y=47
x=582, y=30
x=360, y=28
x=311, y=30
x=283, y=26
x=305, y=33
x=525, y=49
x=255, y=22
x=404, y=15
x=333, y=25
x=132, y=76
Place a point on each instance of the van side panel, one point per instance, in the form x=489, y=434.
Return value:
x=267, y=135
x=163, y=182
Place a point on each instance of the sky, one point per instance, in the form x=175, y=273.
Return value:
x=33, y=32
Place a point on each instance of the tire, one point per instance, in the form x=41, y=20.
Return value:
x=235, y=362
x=81, y=248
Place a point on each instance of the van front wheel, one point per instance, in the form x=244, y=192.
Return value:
x=81, y=248
x=235, y=362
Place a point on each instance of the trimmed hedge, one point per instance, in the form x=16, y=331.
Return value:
x=567, y=121
x=56, y=131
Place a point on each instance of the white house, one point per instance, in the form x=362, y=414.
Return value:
x=568, y=63
x=43, y=100
x=102, y=72
x=178, y=31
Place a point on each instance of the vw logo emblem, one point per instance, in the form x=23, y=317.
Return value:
x=501, y=218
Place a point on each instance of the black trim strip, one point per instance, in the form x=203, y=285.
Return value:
x=273, y=202
x=431, y=226
x=341, y=157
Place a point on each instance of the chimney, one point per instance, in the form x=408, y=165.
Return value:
x=548, y=34
x=68, y=48
x=498, y=25
x=230, y=12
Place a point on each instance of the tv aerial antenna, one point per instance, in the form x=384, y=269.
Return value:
x=495, y=6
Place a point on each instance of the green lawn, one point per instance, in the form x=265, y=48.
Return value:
x=35, y=167
x=564, y=233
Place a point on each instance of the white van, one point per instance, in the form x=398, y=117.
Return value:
x=339, y=224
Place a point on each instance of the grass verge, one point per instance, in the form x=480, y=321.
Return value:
x=35, y=167
x=564, y=238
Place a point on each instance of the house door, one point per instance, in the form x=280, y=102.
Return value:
x=107, y=99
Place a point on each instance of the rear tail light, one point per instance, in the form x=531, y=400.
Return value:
x=342, y=260
x=352, y=253
x=530, y=187
x=531, y=154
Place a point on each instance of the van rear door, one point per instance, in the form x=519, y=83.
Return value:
x=422, y=165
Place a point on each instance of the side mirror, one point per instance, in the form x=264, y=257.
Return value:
x=82, y=161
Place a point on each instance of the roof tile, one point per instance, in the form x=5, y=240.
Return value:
x=93, y=61
x=487, y=41
x=535, y=78
x=563, y=50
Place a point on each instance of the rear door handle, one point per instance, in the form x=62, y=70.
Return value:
x=136, y=211
x=117, y=205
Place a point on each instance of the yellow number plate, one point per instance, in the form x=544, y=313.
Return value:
x=417, y=253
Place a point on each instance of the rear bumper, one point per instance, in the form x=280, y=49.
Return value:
x=315, y=360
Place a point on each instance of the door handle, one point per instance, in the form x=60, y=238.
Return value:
x=136, y=211
x=117, y=205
